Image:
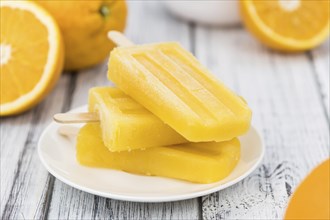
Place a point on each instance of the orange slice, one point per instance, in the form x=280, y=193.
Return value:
x=311, y=199
x=31, y=55
x=287, y=25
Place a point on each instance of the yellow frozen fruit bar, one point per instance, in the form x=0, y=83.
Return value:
x=126, y=125
x=195, y=162
x=171, y=83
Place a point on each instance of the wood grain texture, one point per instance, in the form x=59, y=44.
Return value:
x=24, y=182
x=320, y=61
x=13, y=137
x=282, y=91
x=70, y=203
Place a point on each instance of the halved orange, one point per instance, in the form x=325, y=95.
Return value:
x=311, y=200
x=31, y=55
x=287, y=25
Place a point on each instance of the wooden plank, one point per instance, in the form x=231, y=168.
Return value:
x=284, y=96
x=149, y=22
x=13, y=137
x=24, y=182
x=75, y=204
x=69, y=203
x=320, y=59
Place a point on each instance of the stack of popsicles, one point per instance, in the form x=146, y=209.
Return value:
x=168, y=117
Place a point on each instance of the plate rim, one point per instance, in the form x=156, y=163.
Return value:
x=158, y=199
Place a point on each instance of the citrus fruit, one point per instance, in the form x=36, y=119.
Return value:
x=84, y=26
x=287, y=25
x=311, y=199
x=31, y=55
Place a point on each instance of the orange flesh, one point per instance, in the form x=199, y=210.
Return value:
x=25, y=67
x=302, y=23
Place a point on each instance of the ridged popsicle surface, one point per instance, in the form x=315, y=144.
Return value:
x=173, y=85
x=127, y=125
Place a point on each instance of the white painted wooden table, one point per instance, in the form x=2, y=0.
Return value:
x=289, y=95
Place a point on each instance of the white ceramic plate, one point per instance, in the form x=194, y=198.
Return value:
x=58, y=155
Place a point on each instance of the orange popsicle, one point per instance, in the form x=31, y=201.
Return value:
x=125, y=124
x=171, y=83
x=195, y=162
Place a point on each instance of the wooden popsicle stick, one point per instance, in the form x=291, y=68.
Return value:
x=119, y=39
x=68, y=131
x=70, y=118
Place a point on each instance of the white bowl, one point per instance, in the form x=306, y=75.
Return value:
x=221, y=12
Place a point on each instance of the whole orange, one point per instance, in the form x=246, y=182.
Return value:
x=84, y=26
